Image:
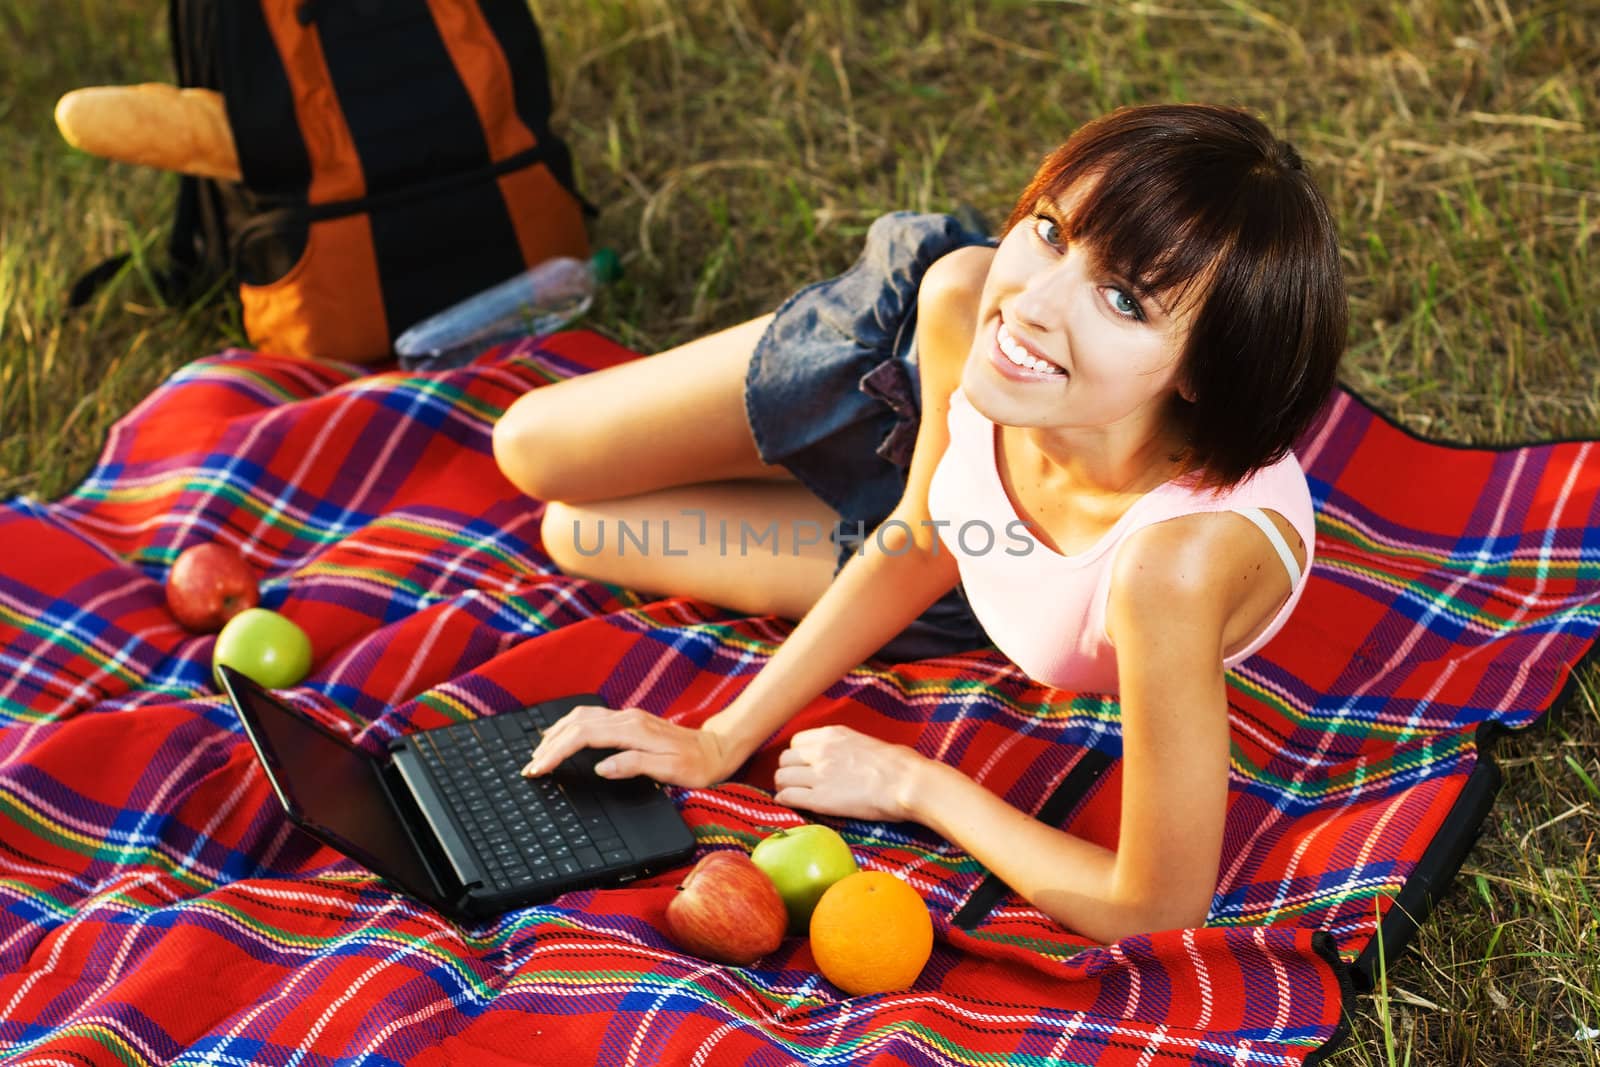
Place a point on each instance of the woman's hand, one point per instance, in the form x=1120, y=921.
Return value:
x=834, y=770
x=650, y=745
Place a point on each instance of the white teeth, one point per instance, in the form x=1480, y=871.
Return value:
x=1021, y=356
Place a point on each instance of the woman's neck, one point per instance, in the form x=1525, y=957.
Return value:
x=1095, y=463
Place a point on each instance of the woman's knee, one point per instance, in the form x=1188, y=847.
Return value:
x=561, y=531
x=586, y=541
x=535, y=448
x=511, y=440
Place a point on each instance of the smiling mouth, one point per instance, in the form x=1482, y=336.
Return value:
x=1012, y=349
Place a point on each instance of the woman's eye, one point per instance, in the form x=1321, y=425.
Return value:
x=1125, y=305
x=1048, y=231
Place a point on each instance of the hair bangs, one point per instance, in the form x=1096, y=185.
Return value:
x=1138, y=229
x=1161, y=225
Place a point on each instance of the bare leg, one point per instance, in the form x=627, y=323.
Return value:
x=620, y=454
x=670, y=419
x=647, y=542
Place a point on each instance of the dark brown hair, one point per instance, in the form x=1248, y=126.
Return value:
x=1192, y=197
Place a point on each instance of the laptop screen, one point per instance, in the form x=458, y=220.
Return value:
x=331, y=786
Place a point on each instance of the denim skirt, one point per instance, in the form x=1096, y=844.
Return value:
x=833, y=395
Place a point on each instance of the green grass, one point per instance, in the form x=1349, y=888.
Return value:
x=740, y=148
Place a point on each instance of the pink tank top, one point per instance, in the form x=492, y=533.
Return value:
x=1047, y=611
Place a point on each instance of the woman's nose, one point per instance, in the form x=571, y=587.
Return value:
x=1039, y=303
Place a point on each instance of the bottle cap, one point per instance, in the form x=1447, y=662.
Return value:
x=605, y=265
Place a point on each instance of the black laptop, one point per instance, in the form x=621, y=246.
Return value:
x=447, y=816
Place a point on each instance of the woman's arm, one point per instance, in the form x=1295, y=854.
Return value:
x=877, y=594
x=1168, y=607
x=1163, y=874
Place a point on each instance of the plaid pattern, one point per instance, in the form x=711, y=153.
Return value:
x=158, y=908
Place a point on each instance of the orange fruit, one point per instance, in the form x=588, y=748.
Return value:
x=871, y=933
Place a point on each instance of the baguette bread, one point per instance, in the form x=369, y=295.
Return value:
x=154, y=125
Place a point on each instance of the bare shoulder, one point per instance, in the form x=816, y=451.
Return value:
x=947, y=317
x=966, y=267
x=1211, y=569
x=1184, y=558
x=953, y=283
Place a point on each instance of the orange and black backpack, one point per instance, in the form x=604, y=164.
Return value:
x=396, y=156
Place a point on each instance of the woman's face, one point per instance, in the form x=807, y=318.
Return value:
x=1112, y=353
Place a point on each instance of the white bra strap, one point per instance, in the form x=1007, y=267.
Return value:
x=1268, y=527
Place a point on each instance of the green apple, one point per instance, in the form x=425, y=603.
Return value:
x=803, y=863
x=266, y=647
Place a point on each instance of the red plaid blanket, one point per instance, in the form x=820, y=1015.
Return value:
x=158, y=908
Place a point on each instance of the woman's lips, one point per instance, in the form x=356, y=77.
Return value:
x=1012, y=370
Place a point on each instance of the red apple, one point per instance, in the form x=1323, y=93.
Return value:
x=727, y=909
x=208, y=585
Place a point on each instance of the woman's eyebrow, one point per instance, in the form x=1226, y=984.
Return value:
x=1154, y=299
x=1047, y=202
x=1145, y=292
x=1139, y=290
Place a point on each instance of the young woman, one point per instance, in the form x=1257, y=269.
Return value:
x=1098, y=480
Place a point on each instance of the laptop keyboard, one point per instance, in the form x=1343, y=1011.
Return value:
x=522, y=830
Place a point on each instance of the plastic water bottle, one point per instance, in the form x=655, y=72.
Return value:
x=541, y=299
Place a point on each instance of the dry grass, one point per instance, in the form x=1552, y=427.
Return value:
x=740, y=148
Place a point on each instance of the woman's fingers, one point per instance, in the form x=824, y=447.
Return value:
x=794, y=782
x=662, y=766
x=834, y=770
x=550, y=741
x=797, y=796
x=590, y=727
x=798, y=775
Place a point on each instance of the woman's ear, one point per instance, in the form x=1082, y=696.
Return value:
x=1186, y=390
